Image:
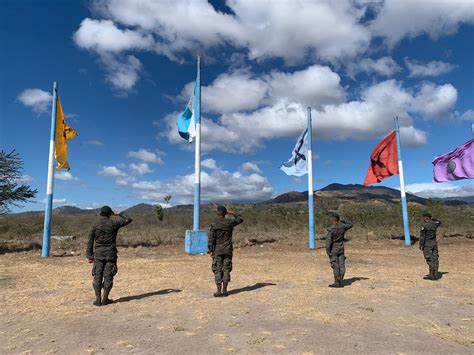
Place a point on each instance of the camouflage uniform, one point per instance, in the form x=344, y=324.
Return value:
x=429, y=246
x=221, y=247
x=104, y=235
x=335, y=249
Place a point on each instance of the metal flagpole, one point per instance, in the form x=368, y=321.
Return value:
x=310, y=182
x=402, y=186
x=197, y=164
x=50, y=184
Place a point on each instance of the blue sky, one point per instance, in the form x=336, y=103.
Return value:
x=124, y=70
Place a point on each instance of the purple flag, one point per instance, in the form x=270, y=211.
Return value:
x=455, y=165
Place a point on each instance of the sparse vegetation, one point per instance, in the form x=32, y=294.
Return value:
x=285, y=224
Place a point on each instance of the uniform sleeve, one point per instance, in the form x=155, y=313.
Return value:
x=437, y=222
x=347, y=225
x=422, y=236
x=236, y=220
x=124, y=219
x=90, y=244
x=211, y=244
x=329, y=242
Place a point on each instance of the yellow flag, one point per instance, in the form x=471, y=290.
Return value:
x=64, y=132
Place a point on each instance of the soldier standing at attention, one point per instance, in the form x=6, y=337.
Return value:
x=429, y=245
x=220, y=248
x=335, y=248
x=104, y=256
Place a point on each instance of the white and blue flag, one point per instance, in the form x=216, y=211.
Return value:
x=186, y=122
x=298, y=163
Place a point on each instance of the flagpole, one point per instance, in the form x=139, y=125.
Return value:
x=402, y=186
x=197, y=157
x=50, y=184
x=310, y=181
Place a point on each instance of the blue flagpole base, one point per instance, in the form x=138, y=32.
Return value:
x=195, y=242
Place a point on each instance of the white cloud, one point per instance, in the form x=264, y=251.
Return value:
x=370, y=116
x=440, y=190
x=279, y=30
x=251, y=167
x=105, y=36
x=398, y=19
x=385, y=66
x=94, y=142
x=25, y=179
x=112, y=171
x=435, y=101
x=467, y=115
x=433, y=68
x=140, y=168
x=217, y=186
x=315, y=85
x=65, y=176
x=123, y=73
x=36, y=99
x=147, y=156
x=60, y=202
x=209, y=163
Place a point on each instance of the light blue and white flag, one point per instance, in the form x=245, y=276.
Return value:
x=298, y=163
x=186, y=122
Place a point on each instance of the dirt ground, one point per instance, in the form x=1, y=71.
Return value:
x=279, y=303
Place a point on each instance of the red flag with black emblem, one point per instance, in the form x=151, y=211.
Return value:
x=383, y=160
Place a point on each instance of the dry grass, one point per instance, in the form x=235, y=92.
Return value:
x=166, y=303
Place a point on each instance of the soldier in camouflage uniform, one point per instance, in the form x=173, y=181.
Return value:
x=429, y=245
x=220, y=248
x=335, y=248
x=104, y=256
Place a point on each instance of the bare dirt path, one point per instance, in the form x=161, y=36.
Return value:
x=280, y=303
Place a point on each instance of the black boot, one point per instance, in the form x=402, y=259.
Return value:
x=98, y=301
x=436, y=275
x=341, y=280
x=105, y=299
x=431, y=276
x=219, y=291
x=224, y=290
x=336, y=282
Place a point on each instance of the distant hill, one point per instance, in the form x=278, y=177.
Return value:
x=340, y=192
x=356, y=192
x=141, y=208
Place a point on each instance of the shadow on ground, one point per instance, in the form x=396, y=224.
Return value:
x=145, y=295
x=348, y=282
x=251, y=288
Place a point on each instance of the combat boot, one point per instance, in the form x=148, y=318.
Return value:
x=436, y=274
x=105, y=299
x=219, y=291
x=224, y=290
x=431, y=276
x=336, y=282
x=98, y=301
x=341, y=280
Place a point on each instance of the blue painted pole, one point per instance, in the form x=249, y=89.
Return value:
x=50, y=184
x=406, y=227
x=310, y=182
x=197, y=157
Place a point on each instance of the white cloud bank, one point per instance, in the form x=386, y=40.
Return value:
x=440, y=190
x=282, y=113
x=433, y=68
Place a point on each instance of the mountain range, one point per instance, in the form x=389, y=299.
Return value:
x=349, y=192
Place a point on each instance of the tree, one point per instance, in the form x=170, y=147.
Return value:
x=12, y=191
x=159, y=212
x=167, y=200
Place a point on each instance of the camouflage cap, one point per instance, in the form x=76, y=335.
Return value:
x=222, y=209
x=427, y=214
x=106, y=210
